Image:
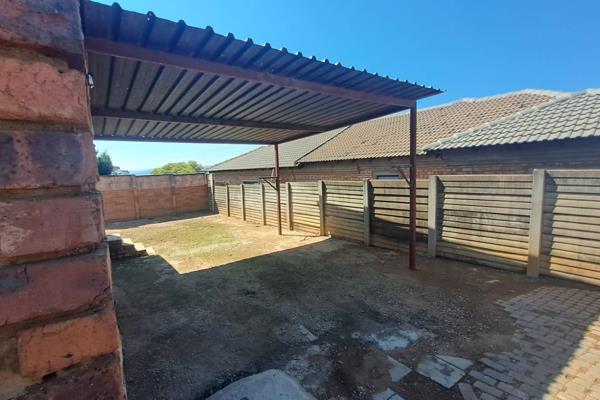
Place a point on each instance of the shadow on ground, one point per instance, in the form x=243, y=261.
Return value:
x=313, y=312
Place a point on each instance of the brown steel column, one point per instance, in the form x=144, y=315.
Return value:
x=413, y=190
x=277, y=189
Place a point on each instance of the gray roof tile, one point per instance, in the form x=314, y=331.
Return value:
x=565, y=117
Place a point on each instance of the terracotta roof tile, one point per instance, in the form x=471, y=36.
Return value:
x=388, y=136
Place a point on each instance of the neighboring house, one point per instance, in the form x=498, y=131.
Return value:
x=379, y=148
x=567, y=129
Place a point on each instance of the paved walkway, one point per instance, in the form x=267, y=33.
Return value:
x=558, y=350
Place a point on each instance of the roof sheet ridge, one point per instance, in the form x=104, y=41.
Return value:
x=559, y=98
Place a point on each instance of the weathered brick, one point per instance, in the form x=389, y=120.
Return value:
x=11, y=381
x=99, y=381
x=43, y=225
x=41, y=89
x=20, y=22
x=28, y=159
x=53, y=287
x=52, y=347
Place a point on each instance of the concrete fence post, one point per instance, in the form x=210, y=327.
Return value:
x=263, y=204
x=367, y=212
x=243, y=201
x=227, y=201
x=288, y=198
x=432, y=215
x=211, y=187
x=173, y=194
x=136, y=197
x=536, y=221
x=322, y=200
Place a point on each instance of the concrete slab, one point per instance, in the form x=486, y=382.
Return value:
x=459, y=362
x=388, y=394
x=440, y=371
x=268, y=385
x=397, y=370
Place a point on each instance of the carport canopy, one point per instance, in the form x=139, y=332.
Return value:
x=163, y=81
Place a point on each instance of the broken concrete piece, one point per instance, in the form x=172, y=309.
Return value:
x=398, y=340
x=440, y=371
x=388, y=394
x=268, y=385
x=461, y=363
x=398, y=370
x=306, y=333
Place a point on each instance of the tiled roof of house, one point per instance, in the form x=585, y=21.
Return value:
x=264, y=156
x=389, y=136
x=567, y=117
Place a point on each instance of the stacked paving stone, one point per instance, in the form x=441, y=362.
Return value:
x=58, y=332
x=125, y=248
x=557, y=354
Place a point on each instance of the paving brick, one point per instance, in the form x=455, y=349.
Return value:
x=55, y=346
x=488, y=389
x=492, y=364
x=45, y=225
x=484, y=378
x=28, y=159
x=53, y=287
x=20, y=22
x=512, y=390
x=38, y=89
x=498, y=375
x=466, y=391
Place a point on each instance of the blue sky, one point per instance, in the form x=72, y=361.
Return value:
x=468, y=48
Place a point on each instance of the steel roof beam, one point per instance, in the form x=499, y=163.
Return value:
x=132, y=52
x=174, y=140
x=144, y=116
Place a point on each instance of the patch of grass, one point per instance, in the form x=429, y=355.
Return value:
x=192, y=241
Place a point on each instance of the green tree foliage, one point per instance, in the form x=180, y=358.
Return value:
x=105, y=165
x=178, y=168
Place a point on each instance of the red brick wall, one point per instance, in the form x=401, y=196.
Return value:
x=58, y=331
x=511, y=159
x=130, y=197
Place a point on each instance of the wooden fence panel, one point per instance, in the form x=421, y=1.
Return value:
x=271, y=205
x=253, y=203
x=485, y=219
x=221, y=199
x=344, y=216
x=571, y=225
x=305, y=207
x=389, y=214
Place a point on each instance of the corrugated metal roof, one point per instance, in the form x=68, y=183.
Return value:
x=389, y=136
x=141, y=100
x=566, y=117
x=289, y=153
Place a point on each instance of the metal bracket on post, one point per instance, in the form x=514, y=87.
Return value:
x=536, y=221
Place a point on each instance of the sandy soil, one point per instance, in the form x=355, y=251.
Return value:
x=310, y=306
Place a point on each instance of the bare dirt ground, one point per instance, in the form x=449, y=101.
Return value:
x=204, y=313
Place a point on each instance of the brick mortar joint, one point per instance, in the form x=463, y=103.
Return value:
x=12, y=330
